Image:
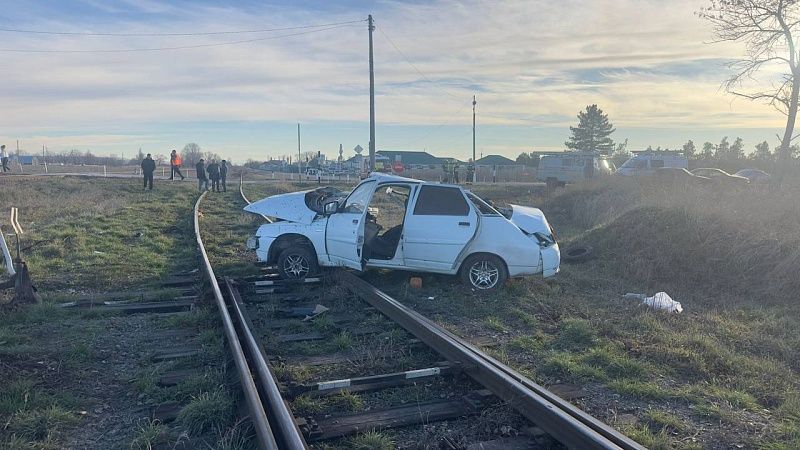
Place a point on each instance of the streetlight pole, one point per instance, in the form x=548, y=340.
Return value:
x=474, y=161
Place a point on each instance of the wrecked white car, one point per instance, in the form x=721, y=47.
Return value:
x=391, y=222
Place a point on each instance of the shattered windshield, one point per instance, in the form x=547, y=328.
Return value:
x=357, y=201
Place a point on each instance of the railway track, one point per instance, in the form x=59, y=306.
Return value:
x=289, y=352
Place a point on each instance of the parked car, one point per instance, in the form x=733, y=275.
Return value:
x=572, y=167
x=720, y=176
x=392, y=222
x=755, y=175
x=680, y=175
x=646, y=163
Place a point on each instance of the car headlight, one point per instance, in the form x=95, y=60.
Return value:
x=545, y=240
x=252, y=243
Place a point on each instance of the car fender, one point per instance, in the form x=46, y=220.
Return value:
x=497, y=235
x=269, y=233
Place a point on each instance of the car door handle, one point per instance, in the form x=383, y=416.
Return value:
x=463, y=224
x=355, y=221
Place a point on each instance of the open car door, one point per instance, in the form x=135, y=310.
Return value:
x=344, y=233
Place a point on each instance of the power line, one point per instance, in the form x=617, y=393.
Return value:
x=201, y=33
x=181, y=47
x=425, y=77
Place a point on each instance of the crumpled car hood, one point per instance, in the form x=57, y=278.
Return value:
x=291, y=207
x=529, y=220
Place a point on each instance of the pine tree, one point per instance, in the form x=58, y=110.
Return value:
x=723, y=148
x=737, y=149
x=708, y=150
x=688, y=149
x=592, y=133
x=762, y=151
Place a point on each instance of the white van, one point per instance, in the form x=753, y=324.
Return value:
x=646, y=163
x=572, y=167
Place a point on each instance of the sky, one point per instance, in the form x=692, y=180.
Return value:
x=533, y=65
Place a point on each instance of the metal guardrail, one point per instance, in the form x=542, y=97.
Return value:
x=258, y=416
x=562, y=420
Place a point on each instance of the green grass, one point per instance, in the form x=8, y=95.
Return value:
x=208, y=410
x=111, y=232
x=730, y=355
x=148, y=434
x=372, y=440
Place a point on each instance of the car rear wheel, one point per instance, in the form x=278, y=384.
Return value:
x=297, y=262
x=484, y=272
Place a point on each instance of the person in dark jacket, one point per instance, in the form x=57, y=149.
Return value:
x=213, y=173
x=202, y=180
x=175, y=165
x=223, y=175
x=148, y=167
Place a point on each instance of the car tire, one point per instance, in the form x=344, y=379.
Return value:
x=484, y=272
x=577, y=254
x=297, y=262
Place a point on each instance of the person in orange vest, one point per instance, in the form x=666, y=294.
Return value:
x=175, y=165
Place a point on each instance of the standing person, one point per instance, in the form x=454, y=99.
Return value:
x=202, y=180
x=148, y=167
x=175, y=165
x=214, y=174
x=223, y=175
x=4, y=157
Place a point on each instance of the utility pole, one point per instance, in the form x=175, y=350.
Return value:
x=474, y=161
x=299, y=161
x=371, y=99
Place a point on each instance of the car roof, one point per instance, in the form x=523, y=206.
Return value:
x=388, y=178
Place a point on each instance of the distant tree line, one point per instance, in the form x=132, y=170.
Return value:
x=190, y=154
x=593, y=134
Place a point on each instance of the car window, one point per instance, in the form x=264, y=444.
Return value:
x=440, y=201
x=481, y=205
x=656, y=163
x=356, y=202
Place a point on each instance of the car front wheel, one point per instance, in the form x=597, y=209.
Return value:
x=484, y=272
x=297, y=262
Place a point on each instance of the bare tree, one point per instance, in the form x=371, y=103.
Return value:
x=191, y=154
x=768, y=29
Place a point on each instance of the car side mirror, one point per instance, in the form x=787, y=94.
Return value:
x=330, y=207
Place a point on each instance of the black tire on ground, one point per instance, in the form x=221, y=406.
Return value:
x=577, y=254
x=484, y=272
x=297, y=262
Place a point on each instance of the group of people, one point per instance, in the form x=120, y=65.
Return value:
x=216, y=172
x=4, y=158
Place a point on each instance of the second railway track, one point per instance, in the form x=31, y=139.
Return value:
x=298, y=345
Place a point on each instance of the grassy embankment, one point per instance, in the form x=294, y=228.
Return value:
x=96, y=235
x=722, y=374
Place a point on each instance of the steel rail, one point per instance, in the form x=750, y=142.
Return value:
x=567, y=423
x=282, y=419
x=258, y=416
x=562, y=420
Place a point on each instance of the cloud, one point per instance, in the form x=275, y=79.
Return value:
x=533, y=64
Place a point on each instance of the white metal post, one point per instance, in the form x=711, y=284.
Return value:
x=7, y=255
